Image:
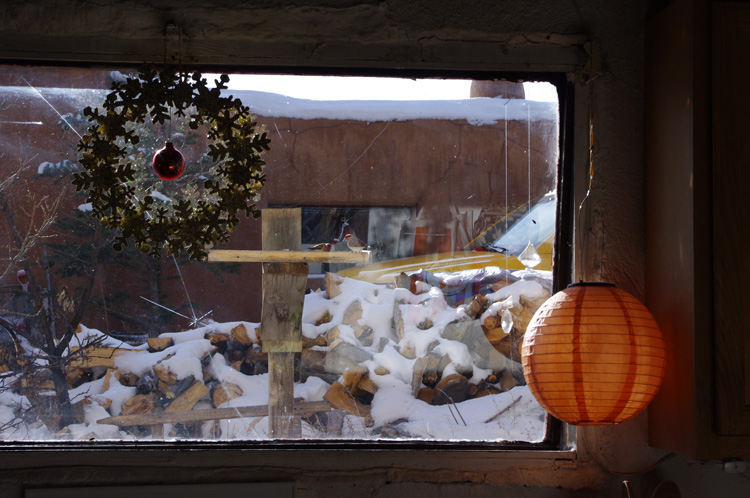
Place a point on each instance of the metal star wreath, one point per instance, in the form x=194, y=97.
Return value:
x=186, y=225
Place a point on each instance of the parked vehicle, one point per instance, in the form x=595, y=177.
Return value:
x=499, y=246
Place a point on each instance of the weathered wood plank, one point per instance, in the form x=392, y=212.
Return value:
x=290, y=256
x=281, y=317
x=213, y=414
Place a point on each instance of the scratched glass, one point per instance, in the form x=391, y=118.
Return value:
x=380, y=297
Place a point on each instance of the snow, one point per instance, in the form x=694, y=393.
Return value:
x=390, y=369
x=476, y=111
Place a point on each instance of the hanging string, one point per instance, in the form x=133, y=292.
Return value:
x=581, y=232
x=506, y=181
x=528, y=150
x=104, y=305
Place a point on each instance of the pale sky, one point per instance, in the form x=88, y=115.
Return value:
x=371, y=88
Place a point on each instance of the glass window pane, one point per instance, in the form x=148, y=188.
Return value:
x=444, y=190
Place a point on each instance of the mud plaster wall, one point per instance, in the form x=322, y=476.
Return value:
x=432, y=167
x=426, y=34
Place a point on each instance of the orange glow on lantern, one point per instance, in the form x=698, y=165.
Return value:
x=593, y=355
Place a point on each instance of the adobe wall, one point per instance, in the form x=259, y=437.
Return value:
x=434, y=167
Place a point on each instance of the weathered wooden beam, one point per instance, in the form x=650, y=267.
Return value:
x=284, y=286
x=180, y=417
x=269, y=256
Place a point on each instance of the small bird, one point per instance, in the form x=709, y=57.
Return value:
x=323, y=246
x=353, y=243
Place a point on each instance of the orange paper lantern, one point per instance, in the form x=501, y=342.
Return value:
x=593, y=355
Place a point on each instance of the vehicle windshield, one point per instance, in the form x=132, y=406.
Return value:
x=534, y=226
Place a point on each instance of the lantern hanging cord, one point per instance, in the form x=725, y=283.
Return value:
x=505, y=216
x=581, y=231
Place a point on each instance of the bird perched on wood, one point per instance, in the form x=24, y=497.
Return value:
x=353, y=243
x=323, y=246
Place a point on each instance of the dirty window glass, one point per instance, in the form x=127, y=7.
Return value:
x=429, y=209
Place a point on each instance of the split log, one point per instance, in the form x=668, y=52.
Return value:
x=108, y=376
x=171, y=391
x=427, y=370
x=156, y=344
x=342, y=400
x=352, y=314
x=408, y=350
x=451, y=389
x=363, y=333
x=239, y=337
x=398, y=319
x=426, y=394
x=381, y=370
x=332, y=282
x=357, y=381
x=486, y=391
x=325, y=318
x=319, y=341
x=217, y=338
x=148, y=383
x=482, y=389
x=255, y=363
x=128, y=379
x=96, y=356
x=477, y=306
x=222, y=392
x=344, y=356
x=41, y=380
x=72, y=376
x=138, y=404
x=163, y=372
x=313, y=364
x=507, y=381
x=188, y=398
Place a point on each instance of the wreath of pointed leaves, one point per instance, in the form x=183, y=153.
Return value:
x=190, y=227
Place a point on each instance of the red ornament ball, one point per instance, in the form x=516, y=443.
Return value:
x=168, y=163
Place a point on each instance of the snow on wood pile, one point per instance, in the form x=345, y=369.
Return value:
x=392, y=362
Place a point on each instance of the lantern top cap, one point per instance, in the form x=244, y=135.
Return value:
x=591, y=284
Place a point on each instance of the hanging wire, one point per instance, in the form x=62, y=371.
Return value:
x=506, y=181
x=581, y=232
x=528, y=150
x=104, y=305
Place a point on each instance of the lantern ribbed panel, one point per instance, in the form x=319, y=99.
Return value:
x=593, y=354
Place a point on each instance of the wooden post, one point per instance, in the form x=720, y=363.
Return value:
x=284, y=281
x=281, y=318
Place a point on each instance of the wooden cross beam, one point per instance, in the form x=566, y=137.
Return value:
x=285, y=273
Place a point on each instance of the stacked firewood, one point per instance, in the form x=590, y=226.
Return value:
x=343, y=355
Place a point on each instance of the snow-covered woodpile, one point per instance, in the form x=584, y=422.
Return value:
x=377, y=362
